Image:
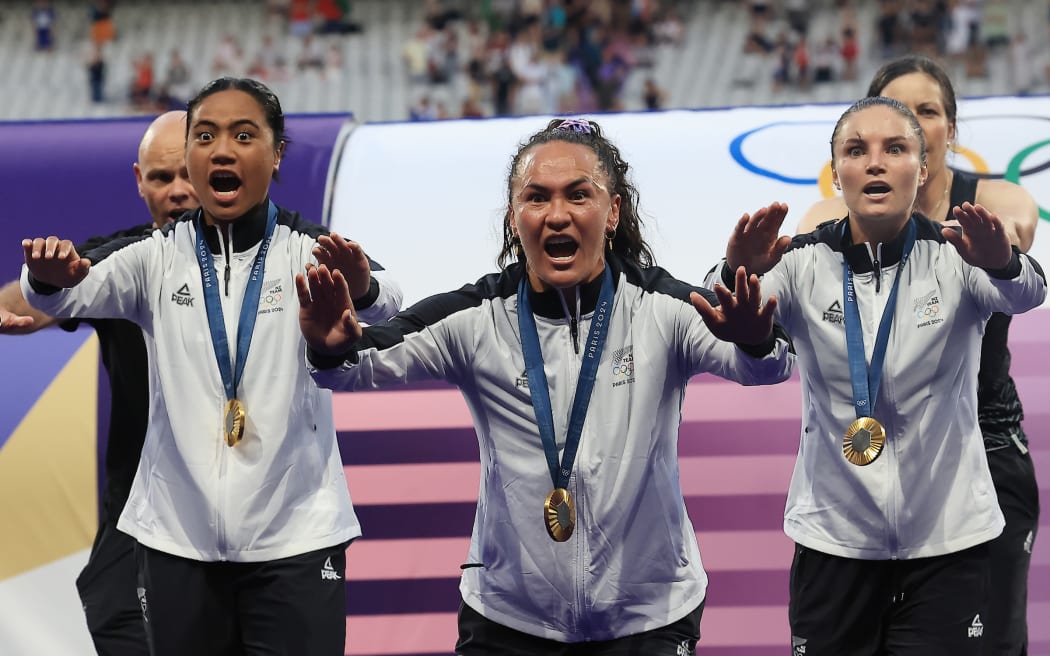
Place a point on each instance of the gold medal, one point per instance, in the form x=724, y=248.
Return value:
x=235, y=418
x=863, y=441
x=559, y=514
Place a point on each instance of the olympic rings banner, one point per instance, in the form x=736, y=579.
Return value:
x=428, y=198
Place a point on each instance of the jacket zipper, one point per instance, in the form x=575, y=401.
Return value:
x=228, y=254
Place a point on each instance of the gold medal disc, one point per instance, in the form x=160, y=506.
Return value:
x=559, y=514
x=863, y=441
x=234, y=421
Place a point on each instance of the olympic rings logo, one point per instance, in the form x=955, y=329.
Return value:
x=623, y=369
x=1014, y=171
x=928, y=312
x=272, y=299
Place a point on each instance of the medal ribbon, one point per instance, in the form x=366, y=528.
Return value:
x=865, y=380
x=249, y=306
x=540, y=391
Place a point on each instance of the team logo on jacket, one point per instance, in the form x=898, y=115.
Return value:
x=271, y=296
x=328, y=572
x=522, y=381
x=183, y=296
x=976, y=628
x=623, y=366
x=834, y=313
x=927, y=308
x=798, y=646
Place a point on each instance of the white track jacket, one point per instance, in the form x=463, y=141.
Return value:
x=632, y=563
x=930, y=492
x=281, y=491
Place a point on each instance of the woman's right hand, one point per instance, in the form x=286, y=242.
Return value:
x=326, y=314
x=55, y=261
x=755, y=243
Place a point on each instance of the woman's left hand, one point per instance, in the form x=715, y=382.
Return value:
x=348, y=258
x=983, y=241
x=741, y=318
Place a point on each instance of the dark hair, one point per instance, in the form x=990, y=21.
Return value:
x=628, y=242
x=262, y=94
x=874, y=101
x=896, y=68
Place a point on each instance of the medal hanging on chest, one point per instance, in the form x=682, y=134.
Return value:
x=865, y=438
x=235, y=416
x=559, y=509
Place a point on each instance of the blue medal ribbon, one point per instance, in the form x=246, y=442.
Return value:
x=539, y=389
x=865, y=379
x=231, y=376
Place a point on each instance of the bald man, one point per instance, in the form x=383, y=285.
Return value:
x=107, y=586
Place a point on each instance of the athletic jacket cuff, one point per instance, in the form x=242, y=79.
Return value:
x=369, y=298
x=1009, y=272
x=42, y=288
x=321, y=361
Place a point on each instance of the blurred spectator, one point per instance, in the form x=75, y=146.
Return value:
x=96, y=72
x=471, y=108
x=653, y=95
x=850, y=52
x=43, y=18
x=177, y=87
x=668, y=28
x=300, y=18
x=269, y=62
x=824, y=58
x=801, y=62
x=924, y=23
x=415, y=54
x=1022, y=72
x=423, y=110
x=311, y=56
x=797, y=15
x=142, y=83
x=333, y=61
x=335, y=17
x=229, y=57
x=889, y=28
x=103, y=29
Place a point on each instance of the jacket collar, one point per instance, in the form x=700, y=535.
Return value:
x=248, y=230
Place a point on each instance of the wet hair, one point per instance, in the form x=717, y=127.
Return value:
x=875, y=101
x=262, y=94
x=628, y=242
x=896, y=68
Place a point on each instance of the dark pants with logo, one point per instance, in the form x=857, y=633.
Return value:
x=919, y=607
x=107, y=591
x=479, y=636
x=1006, y=621
x=293, y=606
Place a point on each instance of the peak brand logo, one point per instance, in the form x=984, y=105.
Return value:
x=328, y=572
x=183, y=296
x=976, y=628
x=834, y=313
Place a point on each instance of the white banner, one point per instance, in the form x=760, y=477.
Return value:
x=427, y=199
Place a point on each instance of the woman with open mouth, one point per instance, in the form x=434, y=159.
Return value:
x=240, y=506
x=574, y=361
x=891, y=504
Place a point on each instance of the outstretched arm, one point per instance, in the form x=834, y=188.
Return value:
x=983, y=241
x=755, y=243
x=741, y=318
x=326, y=314
x=17, y=316
x=55, y=262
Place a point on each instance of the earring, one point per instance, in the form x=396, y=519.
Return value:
x=515, y=243
x=609, y=236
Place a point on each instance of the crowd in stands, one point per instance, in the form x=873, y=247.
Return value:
x=512, y=57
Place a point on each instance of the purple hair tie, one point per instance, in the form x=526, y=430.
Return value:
x=575, y=125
